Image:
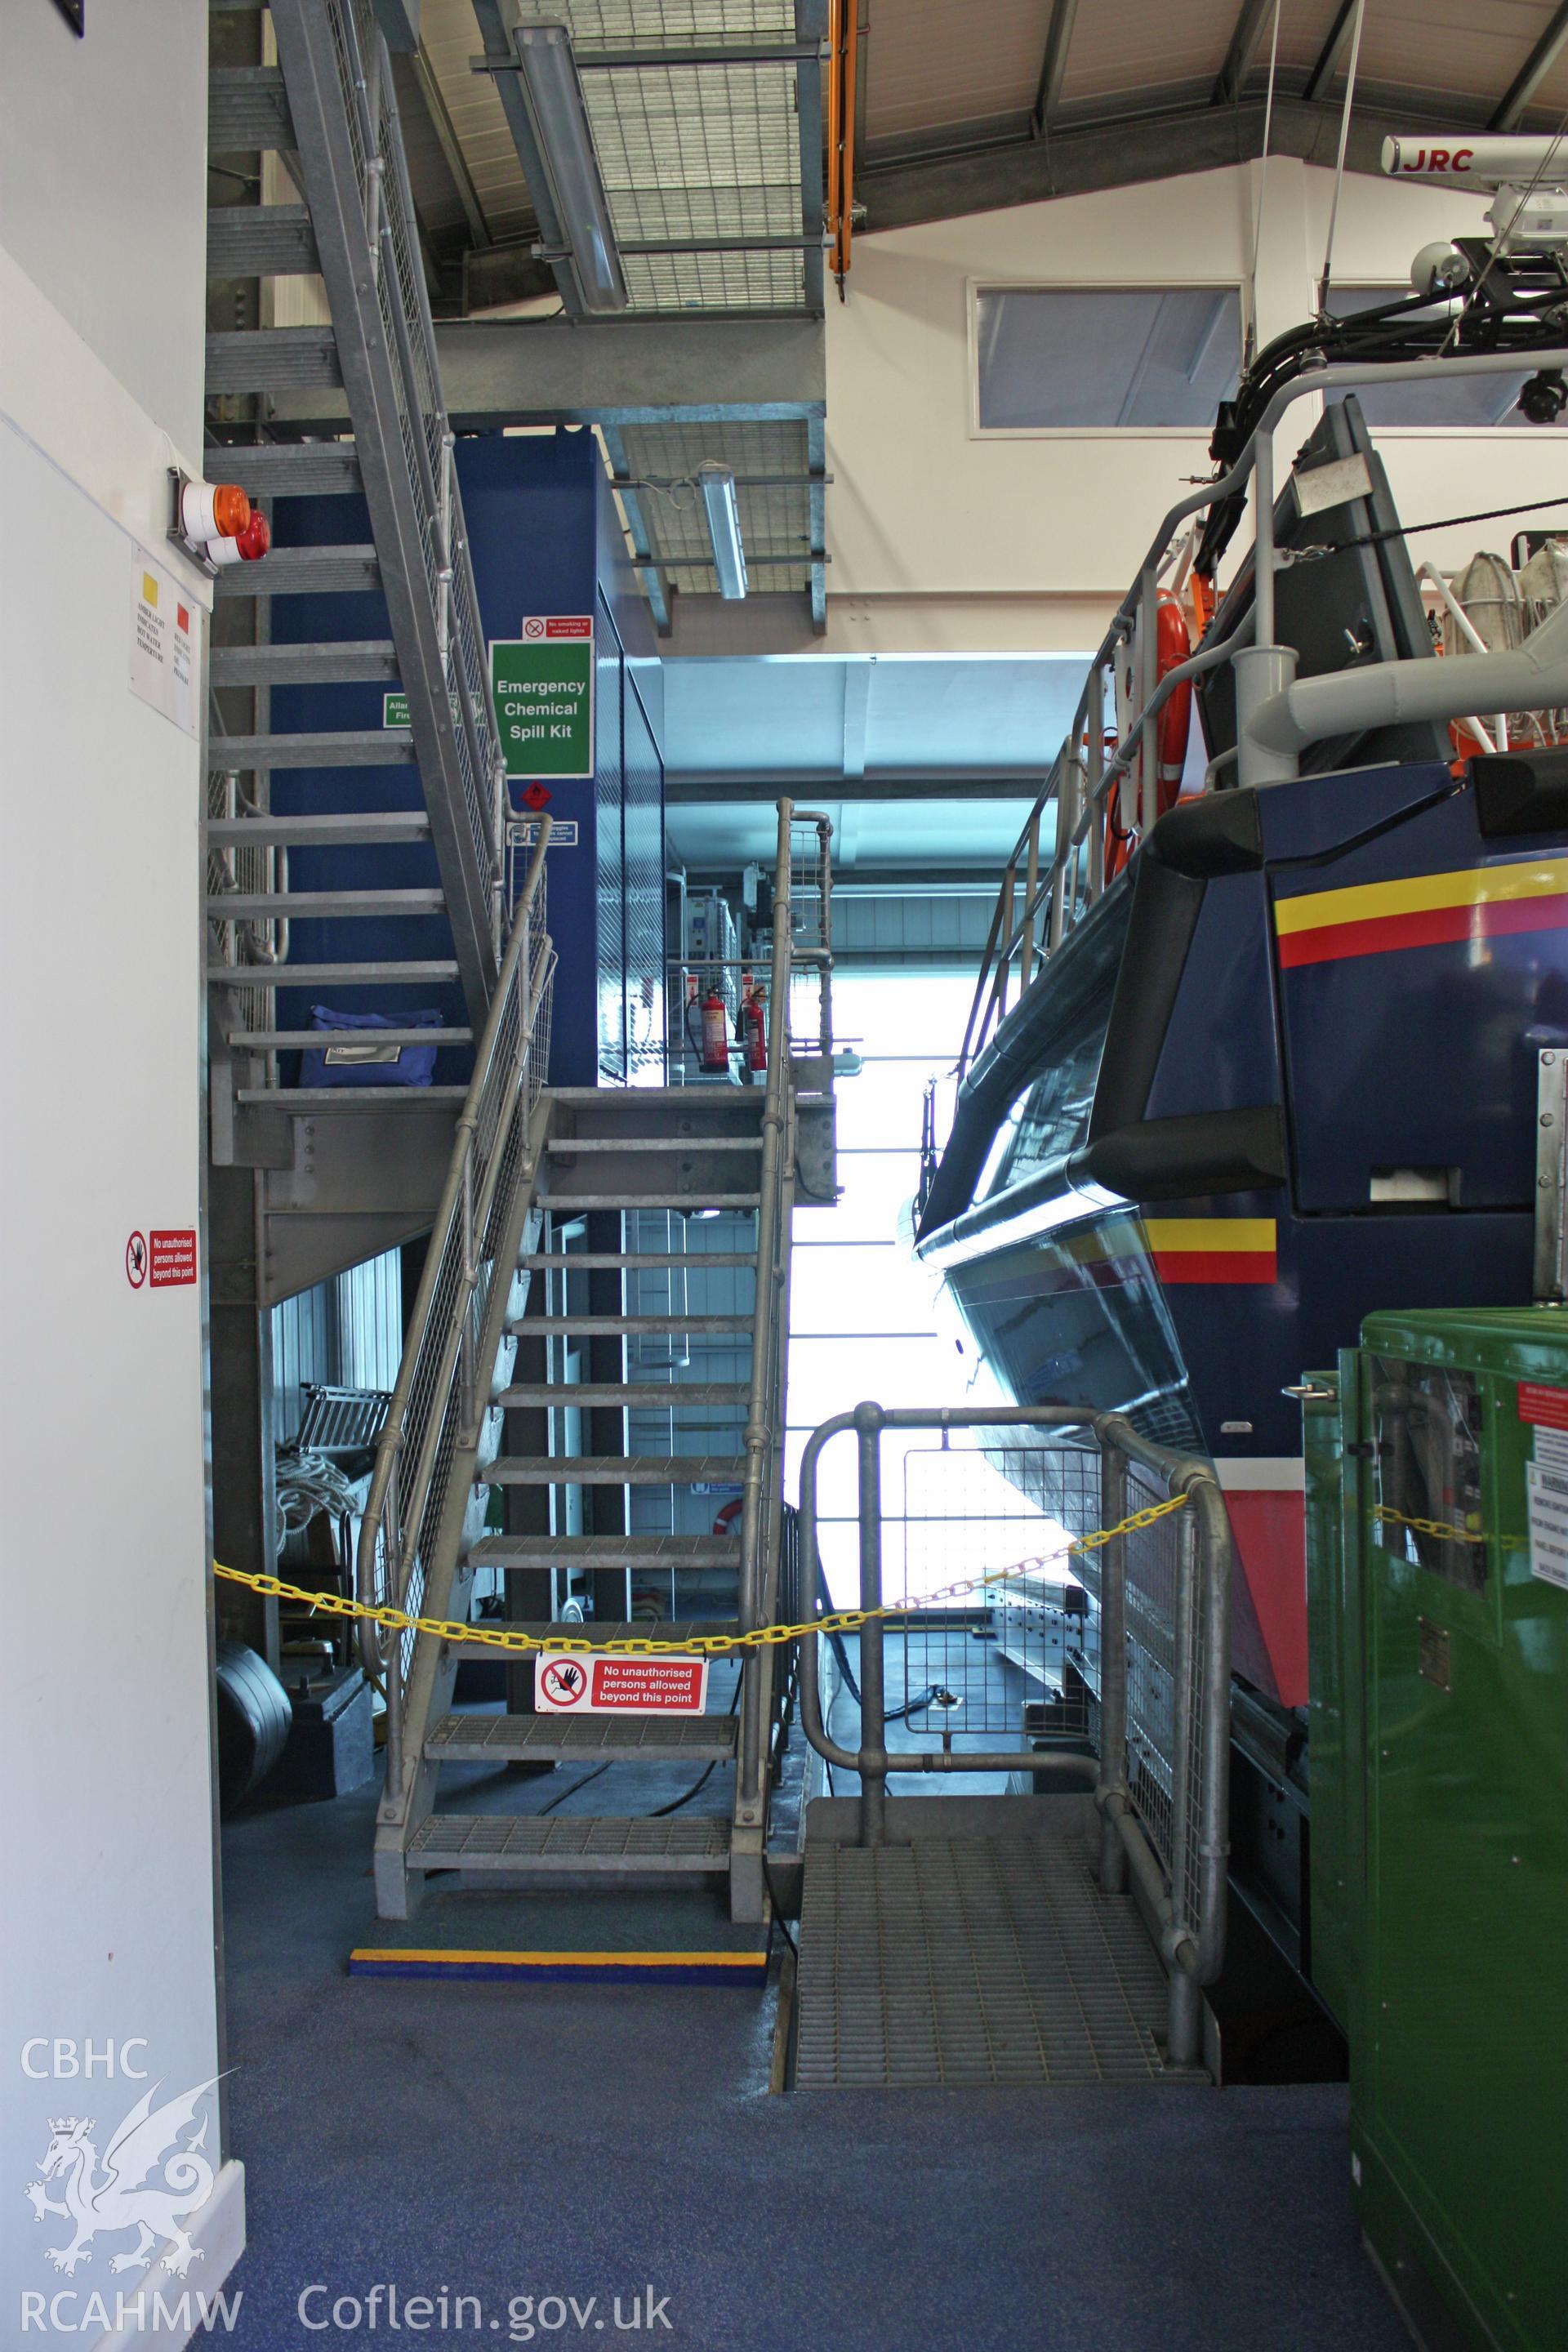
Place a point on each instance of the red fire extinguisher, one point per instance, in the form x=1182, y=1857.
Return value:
x=715, y=1034
x=757, y=1030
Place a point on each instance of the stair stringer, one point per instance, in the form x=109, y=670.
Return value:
x=448, y=1577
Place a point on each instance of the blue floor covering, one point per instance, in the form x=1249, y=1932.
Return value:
x=518, y=2143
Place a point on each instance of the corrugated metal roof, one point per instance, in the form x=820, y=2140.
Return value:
x=928, y=63
x=1152, y=56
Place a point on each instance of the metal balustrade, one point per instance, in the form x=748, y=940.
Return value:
x=1147, y=1695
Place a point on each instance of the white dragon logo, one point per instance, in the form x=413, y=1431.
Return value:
x=148, y=2183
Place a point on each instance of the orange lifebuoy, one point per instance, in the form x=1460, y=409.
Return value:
x=1173, y=646
x=725, y=1517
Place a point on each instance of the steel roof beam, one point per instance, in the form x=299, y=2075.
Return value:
x=1079, y=159
x=1243, y=48
x=1053, y=71
x=1531, y=73
x=1331, y=57
x=632, y=370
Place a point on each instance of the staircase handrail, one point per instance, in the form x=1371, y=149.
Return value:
x=436, y=1406
x=762, y=1506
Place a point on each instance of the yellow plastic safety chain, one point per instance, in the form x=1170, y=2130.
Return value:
x=1428, y=1527
x=713, y=1645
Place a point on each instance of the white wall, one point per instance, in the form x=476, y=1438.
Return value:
x=943, y=542
x=108, y=1931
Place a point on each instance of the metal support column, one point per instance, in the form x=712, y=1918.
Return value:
x=244, y=1500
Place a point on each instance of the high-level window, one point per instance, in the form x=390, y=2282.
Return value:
x=1094, y=358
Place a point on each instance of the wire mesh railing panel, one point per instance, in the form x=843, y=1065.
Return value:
x=423, y=439
x=1017, y=1655
x=440, y=1394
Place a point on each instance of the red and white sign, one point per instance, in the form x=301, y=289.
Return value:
x=551, y=628
x=584, y=1682
x=172, y=1257
x=136, y=1260
x=1547, y=1408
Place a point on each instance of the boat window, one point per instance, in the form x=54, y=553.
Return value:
x=1465, y=404
x=1051, y=1118
x=1078, y=357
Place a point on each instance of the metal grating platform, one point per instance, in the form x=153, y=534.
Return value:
x=579, y=1841
x=971, y=1961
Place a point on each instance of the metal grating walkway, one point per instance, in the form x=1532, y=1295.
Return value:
x=971, y=1961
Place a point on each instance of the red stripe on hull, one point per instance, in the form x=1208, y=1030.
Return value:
x=1268, y=1619
x=1216, y=1265
x=1433, y=927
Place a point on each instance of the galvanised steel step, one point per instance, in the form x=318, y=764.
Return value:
x=566, y=1396
x=261, y=241
x=597, y=1636
x=510, y=1842
x=357, y=747
x=369, y=661
x=663, y=1199
x=650, y=1738
x=328, y=975
x=356, y=827
x=603, y=1261
x=248, y=108
x=613, y=1469
x=631, y=1099
x=273, y=359
x=294, y=469
x=686, y=1146
x=240, y=905
x=611, y=1327
x=599, y=1552
x=303, y=572
x=294, y=1041
x=302, y=1099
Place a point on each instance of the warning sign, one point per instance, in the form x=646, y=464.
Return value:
x=583, y=1684
x=136, y=1260
x=542, y=685
x=1547, y=1408
x=164, y=657
x=172, y=1258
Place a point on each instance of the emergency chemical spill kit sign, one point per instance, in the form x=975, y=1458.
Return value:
x=542, y=685
x=579, y=1683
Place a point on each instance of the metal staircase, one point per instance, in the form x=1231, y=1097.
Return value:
x=638, y=1360
x=386, y=895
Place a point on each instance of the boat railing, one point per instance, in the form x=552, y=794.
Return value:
x=1056, y=872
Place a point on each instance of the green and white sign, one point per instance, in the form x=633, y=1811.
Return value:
x=542, y=686
x=395, y=710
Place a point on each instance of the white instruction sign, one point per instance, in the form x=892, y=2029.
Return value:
x=1546, y=1500
x=165, y=636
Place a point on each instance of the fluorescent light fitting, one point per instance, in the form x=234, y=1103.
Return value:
x=717, y=484
x=552, y=94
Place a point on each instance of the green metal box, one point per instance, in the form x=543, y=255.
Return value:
x=1451, y=1956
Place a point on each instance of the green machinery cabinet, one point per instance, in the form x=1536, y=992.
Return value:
x=1440, y=1856
x=1336, y=1851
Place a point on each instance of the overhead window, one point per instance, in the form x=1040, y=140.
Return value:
x=1090, y=358
x=1465, y=404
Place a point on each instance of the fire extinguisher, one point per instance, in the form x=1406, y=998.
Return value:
x=715, y=1034
x=756, y=1030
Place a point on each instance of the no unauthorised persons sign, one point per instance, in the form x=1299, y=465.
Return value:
x=581, y=1684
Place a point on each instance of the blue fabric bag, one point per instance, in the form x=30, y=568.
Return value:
x=369, y=1064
